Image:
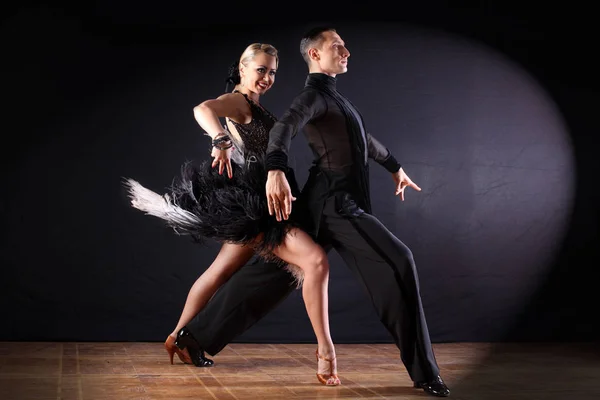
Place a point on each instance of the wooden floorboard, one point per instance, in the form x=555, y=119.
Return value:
x=141, y=371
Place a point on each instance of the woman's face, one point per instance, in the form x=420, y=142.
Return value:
x=258, y=75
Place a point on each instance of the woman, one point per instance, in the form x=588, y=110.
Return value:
x=233, y=209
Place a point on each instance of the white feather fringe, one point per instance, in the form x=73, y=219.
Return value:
x=160, y=206
x=297, y=273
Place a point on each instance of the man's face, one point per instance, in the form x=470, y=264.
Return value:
x=332, y=55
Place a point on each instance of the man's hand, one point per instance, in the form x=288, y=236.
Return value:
x=223, y=160
x=402, y=182
x=279, y=195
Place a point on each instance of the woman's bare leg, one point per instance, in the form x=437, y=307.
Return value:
x=231, y=257
x=299, y=249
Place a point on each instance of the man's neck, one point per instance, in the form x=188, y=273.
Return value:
x=317, y=70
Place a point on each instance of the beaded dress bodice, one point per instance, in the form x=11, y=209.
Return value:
x=255, y=134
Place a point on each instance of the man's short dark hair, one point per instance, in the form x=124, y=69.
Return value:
x=311, y=39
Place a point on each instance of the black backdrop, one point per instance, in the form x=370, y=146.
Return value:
x=491, y=111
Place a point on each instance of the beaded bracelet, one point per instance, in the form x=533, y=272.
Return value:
x=222, y=142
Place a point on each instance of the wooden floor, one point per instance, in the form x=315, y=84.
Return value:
x=262, y=371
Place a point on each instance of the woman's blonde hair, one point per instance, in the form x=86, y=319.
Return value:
x=256, y=48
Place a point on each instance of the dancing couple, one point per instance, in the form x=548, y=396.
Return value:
x=247, y=198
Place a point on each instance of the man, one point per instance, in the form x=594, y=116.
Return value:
x=336, y=202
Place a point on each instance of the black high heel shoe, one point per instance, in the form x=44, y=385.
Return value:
x=185, y=340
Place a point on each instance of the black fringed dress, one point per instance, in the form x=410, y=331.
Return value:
x=205, y=205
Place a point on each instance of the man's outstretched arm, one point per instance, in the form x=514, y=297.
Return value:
x=381, y=154
x=384, y=157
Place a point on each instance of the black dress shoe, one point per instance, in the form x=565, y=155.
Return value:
x=434, y=387
x=185, y=340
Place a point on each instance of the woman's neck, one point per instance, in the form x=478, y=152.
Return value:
x=255, y=97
